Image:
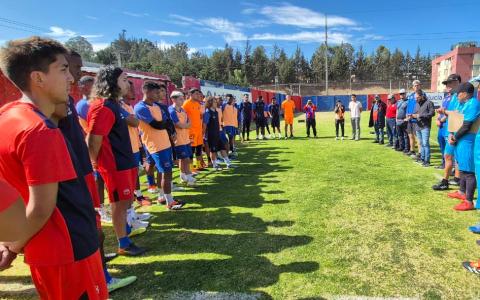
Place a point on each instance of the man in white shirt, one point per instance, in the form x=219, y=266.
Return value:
x=356, y=109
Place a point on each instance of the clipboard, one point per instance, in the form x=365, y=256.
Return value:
x=455, y=121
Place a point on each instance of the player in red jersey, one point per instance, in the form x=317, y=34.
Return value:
x=61, y=242
x=111, y=151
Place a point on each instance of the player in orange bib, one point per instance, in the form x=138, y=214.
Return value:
x=193, y=108
x=288, y=107
x=183, y=148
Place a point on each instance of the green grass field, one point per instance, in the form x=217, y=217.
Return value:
x=302, y=219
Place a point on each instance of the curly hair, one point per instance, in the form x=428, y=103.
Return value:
x=106, y=83
x=209, y=102
x=21, y=57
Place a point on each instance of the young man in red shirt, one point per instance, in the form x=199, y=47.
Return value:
x=111, y=152
x=61, y=242
x=392, y=122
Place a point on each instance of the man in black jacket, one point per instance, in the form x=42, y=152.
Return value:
x=423, y=113
x=377, y=119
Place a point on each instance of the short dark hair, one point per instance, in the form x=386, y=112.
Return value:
x=86, y=79
x=150, y=86
x=21, y=57
x=106, y=82
x=74, y=53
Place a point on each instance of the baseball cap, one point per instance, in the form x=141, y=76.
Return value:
x=466, y=87
x=416, y=82
x=377, y=97
x=391, y=96
x=402, y=91
x=193, y=90
x=176, y=94
x=452, y=77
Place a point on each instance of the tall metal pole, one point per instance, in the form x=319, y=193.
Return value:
x=326, y=56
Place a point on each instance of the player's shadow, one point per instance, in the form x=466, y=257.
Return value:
x=236, y=264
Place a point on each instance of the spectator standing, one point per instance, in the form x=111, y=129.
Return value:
x=339, y=119
x=377, y=119
x=310, y=109
x=402, y=135
x=356, y=109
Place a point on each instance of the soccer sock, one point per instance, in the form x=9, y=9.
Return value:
x=124, y=242
x=108, y=277
x=169, y=198
x=151, y=180
x=161, y=194
x=128, y=228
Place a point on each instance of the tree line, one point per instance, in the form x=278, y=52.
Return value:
x=255, y=66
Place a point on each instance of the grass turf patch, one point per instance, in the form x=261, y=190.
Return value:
x=302, y=219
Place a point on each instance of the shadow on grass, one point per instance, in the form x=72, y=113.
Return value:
x=219, y=262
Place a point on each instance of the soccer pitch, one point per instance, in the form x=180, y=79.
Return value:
x=302, y=219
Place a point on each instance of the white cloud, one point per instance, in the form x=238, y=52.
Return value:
x=248, y=11
x=99, y=46
x=135, y=15
x=288, y=14
x=163, y=33
x=91, y=17
x=229, y=30
x=304, y=36
x=61, y=33
x=92, y=36
x=183, y=19
x=371, y=37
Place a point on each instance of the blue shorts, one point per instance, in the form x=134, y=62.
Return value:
x=230, y=131
x=449, y=149
x=148, y=157
x=464, y=154
x=138, y=158
x=183, y=151
x=163, y=160
x=223, y=137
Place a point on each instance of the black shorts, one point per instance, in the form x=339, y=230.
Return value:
x=276, y=122
x=260, y=122
x=215, y=143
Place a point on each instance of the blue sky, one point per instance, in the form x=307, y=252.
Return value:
x=207, y=25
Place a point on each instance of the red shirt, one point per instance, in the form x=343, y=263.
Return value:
x=392, y=110
x=9, y=195
x=34, y=152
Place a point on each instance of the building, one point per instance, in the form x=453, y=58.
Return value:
x=462, y=61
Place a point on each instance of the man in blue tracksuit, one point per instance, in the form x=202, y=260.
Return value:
x=402, y=135
x=451, y=83
x=464, y=140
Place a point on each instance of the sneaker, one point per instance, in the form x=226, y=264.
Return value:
x=152, y=189
x=217, y=168
x=426, y=164
x=138, y=223
x=375, y=142
x=132, y=250
x=286, y=137
x=118, y=283
x=144, y=201
x=464, y=206
x=419, y=161
x=336, y=138
x=343, y=138
x=473, y=267
x=389, y=145
x=455, y=181
x=457, y=195
x=230, y=166
x=143, y=216
x=381, y=143
x=291, y=136
x=175, y=205
x=441, y=186
x=413, y=155
x=439, y=167
x=257, y=138
x=192, y=182
x=161, y=201
x=475, y=228
x=137, y=231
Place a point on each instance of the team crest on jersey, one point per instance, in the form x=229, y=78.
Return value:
x=126, y=192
